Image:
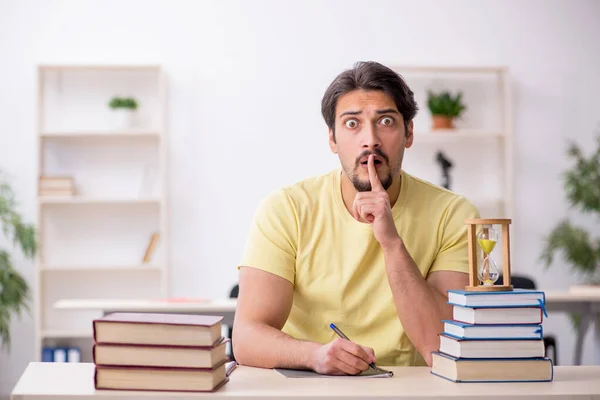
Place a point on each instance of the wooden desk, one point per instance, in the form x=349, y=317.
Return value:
x=75, y=382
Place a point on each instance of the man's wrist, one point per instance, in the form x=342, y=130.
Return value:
x=393, y=245
x=312, y=355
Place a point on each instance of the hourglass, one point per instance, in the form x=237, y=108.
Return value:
x=483, y=275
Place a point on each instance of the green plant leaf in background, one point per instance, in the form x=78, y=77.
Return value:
x=444, y=103
x=123, y=102
x=14, y=290
x=574, y=243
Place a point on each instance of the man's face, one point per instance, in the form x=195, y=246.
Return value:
x=368, y=122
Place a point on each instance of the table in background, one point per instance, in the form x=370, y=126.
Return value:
x=220, y=307
x=44, y=381
x=588, y=306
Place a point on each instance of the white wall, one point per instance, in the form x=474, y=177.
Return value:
x=246, y=79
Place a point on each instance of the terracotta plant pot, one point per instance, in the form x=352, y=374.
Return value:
x=442, y=122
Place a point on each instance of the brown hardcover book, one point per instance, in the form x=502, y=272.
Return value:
x=134, y=355
x=158, y=329
x=159, y=379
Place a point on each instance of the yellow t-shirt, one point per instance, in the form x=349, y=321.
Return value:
x=304, y=234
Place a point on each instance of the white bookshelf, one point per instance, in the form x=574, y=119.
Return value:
x=480, y=147
x=92, y=243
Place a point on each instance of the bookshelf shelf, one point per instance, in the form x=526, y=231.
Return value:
x=97, y=268
x=457, y=135
x=97, y=200
x=102, y=194
x=59, y=334
x=101, y=135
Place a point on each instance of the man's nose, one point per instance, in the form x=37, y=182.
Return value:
x=371, y=139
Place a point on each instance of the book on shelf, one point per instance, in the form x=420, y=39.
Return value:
x=157, y=329
x=56, y=186
x=159, y=352
x=61, y=354
x=150, y=248
x=494, y=337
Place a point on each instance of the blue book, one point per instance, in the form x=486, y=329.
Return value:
x=513, y=298
x=492, y=370
x=462, y=330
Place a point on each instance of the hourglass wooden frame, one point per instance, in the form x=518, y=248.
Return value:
x=474, y=284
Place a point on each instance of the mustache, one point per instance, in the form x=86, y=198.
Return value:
x=366, y=153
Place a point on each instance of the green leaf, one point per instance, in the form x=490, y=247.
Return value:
x=445, y=104
x=14, y=289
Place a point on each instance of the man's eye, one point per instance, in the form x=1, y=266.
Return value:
x=351, y=123
x=387, y=121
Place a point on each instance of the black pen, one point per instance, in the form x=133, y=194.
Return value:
x=372, y=364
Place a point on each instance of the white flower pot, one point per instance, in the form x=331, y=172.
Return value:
x=123, y=118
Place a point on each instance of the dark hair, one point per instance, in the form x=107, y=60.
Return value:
x=369, y=75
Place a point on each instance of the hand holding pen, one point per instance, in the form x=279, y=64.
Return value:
x=372, y=363
x=342, y=357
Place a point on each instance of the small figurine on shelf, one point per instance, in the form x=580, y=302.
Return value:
x=123, y=110
x=446, y=164
x=483, y=277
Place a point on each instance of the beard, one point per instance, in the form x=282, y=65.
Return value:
x=365, y=185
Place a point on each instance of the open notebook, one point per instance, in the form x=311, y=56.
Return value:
x=370, y=373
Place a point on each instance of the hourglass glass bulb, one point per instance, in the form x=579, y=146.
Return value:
x=488, y=271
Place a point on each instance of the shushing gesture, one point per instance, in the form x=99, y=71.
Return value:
x=374, y=208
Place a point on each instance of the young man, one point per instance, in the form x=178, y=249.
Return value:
x=367, y=247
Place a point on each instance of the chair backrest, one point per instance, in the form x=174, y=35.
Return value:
x=520, y=282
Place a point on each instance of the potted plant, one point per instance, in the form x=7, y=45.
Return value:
x=123, y=110
x=14, y=289
x=444, y=108
x=575, y=243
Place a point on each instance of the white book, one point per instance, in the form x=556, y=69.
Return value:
x=471, y=331
x=497, y=315
x=492, y=348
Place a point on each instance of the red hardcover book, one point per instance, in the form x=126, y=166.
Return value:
x=158, y=329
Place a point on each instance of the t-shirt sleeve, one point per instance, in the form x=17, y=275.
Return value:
x=454, y=250
x=272, y=241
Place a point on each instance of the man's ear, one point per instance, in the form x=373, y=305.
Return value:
x=332, y=144
x=409, y=134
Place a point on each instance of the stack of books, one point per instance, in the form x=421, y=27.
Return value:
x=159, y=352
x=494, y=337
x=56, y=186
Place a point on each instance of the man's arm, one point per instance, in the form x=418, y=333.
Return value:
x=420, y=303
x=264, y=303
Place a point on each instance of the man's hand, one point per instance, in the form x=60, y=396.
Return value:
x=342, y=357
x=374, y=208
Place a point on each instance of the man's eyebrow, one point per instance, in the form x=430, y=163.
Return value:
x=350, y=113
x=387, y=111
